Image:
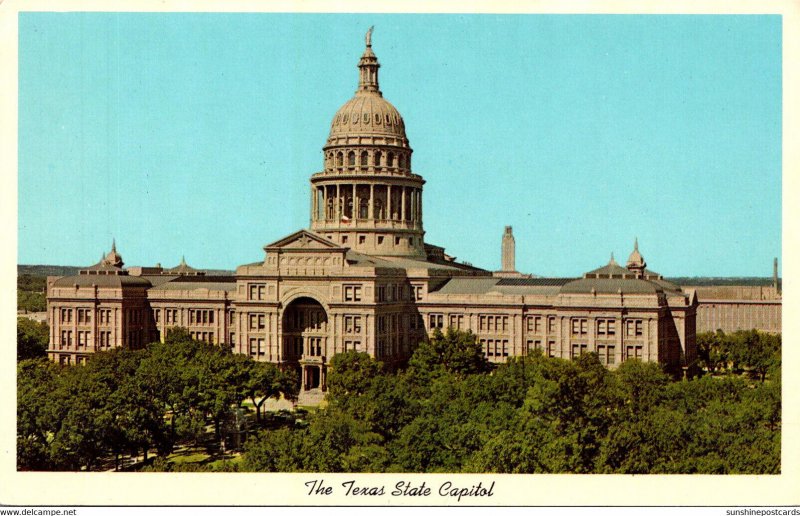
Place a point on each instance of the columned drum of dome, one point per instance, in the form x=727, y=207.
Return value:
x=367, y=198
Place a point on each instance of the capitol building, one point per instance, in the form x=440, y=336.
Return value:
x=362, y=277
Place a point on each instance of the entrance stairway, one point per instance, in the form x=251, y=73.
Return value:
x=311, y=397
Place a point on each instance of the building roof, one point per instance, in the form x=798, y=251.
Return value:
x=107, y=273
x=611, y=286
x=223, y=283
x=184, y=269
x=102, y=281
x=533, y=282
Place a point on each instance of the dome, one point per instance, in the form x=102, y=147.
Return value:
x=368, y=115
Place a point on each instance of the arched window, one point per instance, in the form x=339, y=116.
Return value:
x=351, y=159
x=390, y=160
x=401, y=160
x=378, y=158
x=339, y=159
x=364, y=158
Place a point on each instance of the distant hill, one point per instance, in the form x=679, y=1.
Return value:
x=68, y=270
x=735, y=281
x=47, y=270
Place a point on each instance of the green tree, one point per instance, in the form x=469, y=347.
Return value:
x=455, y=352
x=712, y=350
x=265, y=381
x=32, y=338
x=36, y=380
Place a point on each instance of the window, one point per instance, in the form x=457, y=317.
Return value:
x=633, y=352
x=104, y=316
x=344, y=239
x=339, y=159
x=633, y=328
x=493, y=323
x=257, y=347
x=257, y=292
x=104, y=339
x=457, y=321
x=84, y=315
x=257, y=321
x=352, y=292
x=364, y=158
x=352, y=324
x=352, y=345
x=551, y=348
x=551, y=325
x=606, y=327
x=351, y=159
x=579, y=326
x=578, y=350
x=606, y=354
x=66, y=315
x=417, y=292
x=380, y=240
x=390, y=160
x=533, y=345
x=362, y=239
x=314, y=346
x=436, y=321
x=494, y=347
x=396, y=240
x=171, y=316
x=378, y=158
x=66, y=339
x=83, y=339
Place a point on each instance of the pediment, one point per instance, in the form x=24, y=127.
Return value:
x=303, y=240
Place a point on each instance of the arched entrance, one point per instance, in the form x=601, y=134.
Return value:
x=305, y=339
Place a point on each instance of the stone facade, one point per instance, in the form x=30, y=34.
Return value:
x=363, y=278
x=736, y=307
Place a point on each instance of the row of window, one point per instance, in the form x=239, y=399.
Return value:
x=201, y=316
x=495, y=347
x=393, y=323
x=362, y=239
x=84, y=315
x=606, y=352
x=378, y=159
x=607, y=327
x=387, y=119
x=304, y=319
x=203, y=336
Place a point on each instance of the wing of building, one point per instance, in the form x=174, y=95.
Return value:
x=362, y=277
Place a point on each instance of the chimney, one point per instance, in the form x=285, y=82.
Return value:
x=775, y=274
x=507, y=251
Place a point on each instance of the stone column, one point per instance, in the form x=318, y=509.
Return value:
x=403, y=203
x=372, y=202
x=53, y=332
x=354, y=211
x=389, y=202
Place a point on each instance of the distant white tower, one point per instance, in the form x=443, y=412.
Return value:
x=507, y=251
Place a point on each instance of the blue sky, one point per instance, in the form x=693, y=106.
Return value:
x=195, y=134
